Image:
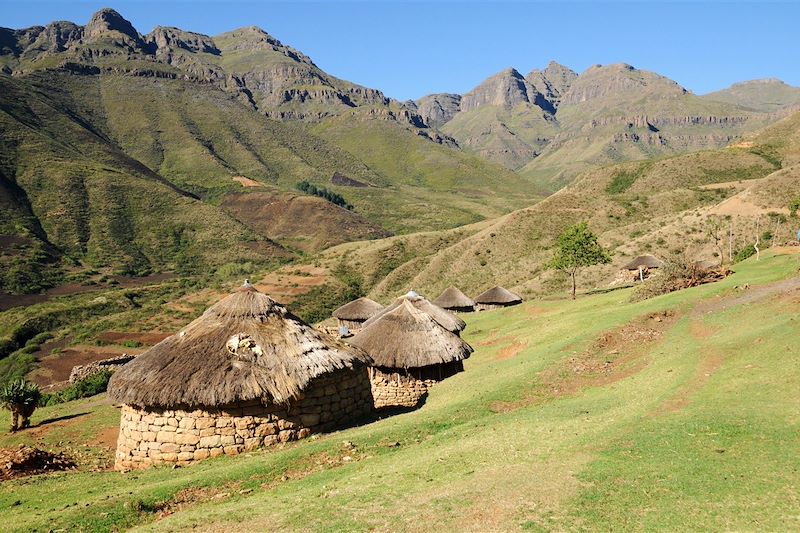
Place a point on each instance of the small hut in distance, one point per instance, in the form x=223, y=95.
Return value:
x=640, y=267
x=446, y=319
x=411, y=352
x=496, y=298
x=245, y=374
x=455, y=301
x=353, y=315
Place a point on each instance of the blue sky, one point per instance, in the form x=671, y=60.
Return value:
x=412, y=48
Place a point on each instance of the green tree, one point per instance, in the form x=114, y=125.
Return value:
x=578, y=248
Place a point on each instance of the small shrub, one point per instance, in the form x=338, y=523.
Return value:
x=132, y=344
x=745, y=253
x=89, y=386
x=21, y=398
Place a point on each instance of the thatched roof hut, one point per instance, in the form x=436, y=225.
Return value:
x=454, y=300
x=644, y=261
x=245, y=356
x=444, y=318
x=411, y=351
x=353, y=315
x=495, y=298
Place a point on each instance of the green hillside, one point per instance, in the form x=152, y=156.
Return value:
x=671, y=414
x=659, y=207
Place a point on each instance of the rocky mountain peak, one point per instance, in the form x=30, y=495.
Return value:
x=617, y=81
x=107, y=21
x=168, y=37
x=438, y=109
x=552, y=82
x=506, y=88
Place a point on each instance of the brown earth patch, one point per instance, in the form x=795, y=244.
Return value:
x=107, y=438
x=289, y=282
x=494, y=341
x=534, y=311
x=149, y=338
x=246, y=182
x=511, y=350
x=612, y=357
x=26, y=461
x=786, y=250
x=56, y=368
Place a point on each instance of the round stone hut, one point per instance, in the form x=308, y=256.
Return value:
x=353, y=315
x=640, y=267
x=411, y=352
x=245, y=374
x=444, y=318
x=455, y=301
x=496, y=298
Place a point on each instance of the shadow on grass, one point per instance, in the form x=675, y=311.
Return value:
x=60, y=418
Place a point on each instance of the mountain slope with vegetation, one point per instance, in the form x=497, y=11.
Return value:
x=188, y=116
x=660, y=206
x=553, y=123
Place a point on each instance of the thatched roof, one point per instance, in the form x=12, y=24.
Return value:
x=360, y=309
x=443, y=317
x=497, y=295
x=244, y=347
x=452, y=297
x=644, y=261
x=407, y=337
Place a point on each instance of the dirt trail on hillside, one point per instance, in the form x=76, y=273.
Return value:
x=710, y=359
x=747, y=296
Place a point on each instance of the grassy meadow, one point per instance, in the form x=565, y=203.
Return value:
x=675, y=413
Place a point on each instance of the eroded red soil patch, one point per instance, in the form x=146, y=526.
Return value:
x=614, y=356
x=511, y=350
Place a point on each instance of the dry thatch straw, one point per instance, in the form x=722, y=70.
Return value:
x=498, y=295
x=244, y=347
x=452, y=298
x=444, y=318
x=360, y=309
x=406, y=337
x=644, y=261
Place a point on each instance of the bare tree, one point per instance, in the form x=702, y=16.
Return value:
x=714, y=229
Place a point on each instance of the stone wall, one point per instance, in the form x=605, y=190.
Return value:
x=397, y=390
x=180, y=436
x=84, y=371
x=491, y=307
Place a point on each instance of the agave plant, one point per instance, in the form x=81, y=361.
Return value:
x=21, y=398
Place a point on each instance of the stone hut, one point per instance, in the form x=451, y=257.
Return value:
x=245, y=374
x=411, y=352
x=496, y=298
x=639, y=269
x=444, y=318
x=353, y=315
x=455, y=301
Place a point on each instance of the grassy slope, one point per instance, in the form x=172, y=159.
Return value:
x=96, y=203
x=643, y=213
x=433, y=186
x=687, y=432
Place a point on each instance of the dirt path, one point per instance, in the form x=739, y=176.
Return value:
x=747, y=296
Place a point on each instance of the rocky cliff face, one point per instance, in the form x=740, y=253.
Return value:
x=552, y=82
x=437, y=109
x=507, y=88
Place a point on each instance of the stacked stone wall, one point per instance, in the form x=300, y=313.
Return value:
x=181, y=436
x=397, y=390
x=490, y=307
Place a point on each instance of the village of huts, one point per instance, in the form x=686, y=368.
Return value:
x=248, y=373
x=245, y=374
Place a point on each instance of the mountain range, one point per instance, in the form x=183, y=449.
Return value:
x=181, y=151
